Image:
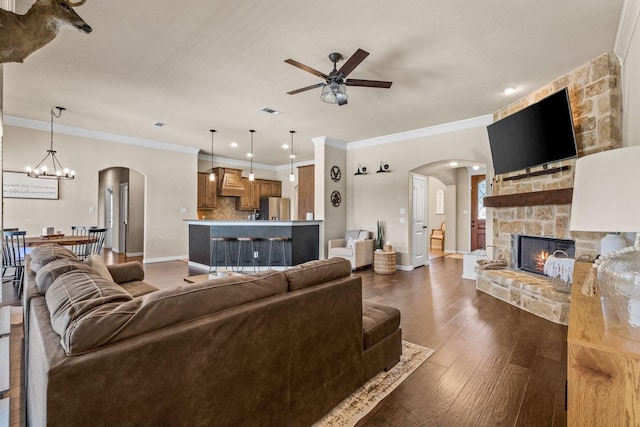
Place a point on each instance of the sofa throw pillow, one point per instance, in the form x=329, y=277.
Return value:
x=126, y=272
x=315, y=272
x=44, y=254
x=50, y=272
x=350, y=242
x=74, y=295
x=96, y=261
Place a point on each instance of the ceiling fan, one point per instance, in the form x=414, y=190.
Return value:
x=333, y=89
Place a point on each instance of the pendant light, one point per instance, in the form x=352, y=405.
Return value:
x=58, y=171
x=212, y=176
x=251, y=176
x=292, y=156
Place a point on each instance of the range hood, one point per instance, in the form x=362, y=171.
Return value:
x=229, y=182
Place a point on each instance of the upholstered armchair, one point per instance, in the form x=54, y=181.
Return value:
x=357, y=247
x=437, y=236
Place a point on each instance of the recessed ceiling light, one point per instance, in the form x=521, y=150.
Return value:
x=285, y=146
x=476, y=167
x=159, y=124
x=269, y=110
x=234, y=144
x=509, y=90
x=453, y=163
x=292, y=156
x=249, y=154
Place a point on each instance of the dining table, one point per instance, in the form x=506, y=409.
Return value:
x=31, y=242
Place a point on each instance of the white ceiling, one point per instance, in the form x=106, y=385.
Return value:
x=198, y=65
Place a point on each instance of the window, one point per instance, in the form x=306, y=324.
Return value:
x=440, y=202
x=482, y=191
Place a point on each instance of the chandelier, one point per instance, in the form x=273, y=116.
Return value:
x=57, y=171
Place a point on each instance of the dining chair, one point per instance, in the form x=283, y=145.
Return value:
x=95, y=240
x=13, y=250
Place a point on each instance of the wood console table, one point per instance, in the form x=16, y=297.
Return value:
x=603, y=369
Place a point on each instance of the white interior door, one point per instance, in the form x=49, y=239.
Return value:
x=108, y=206
x=124, y=217
x=419, y=225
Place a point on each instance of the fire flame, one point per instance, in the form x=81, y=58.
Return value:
x=541, y=259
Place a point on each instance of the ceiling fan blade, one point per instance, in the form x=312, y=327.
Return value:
x=293, y=92
x=306, y=68
x=368, y=83
x=352, y=62
x=342, y=103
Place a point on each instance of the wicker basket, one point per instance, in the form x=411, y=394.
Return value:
x=560, y=285
x=498, y=263
x=384, y=262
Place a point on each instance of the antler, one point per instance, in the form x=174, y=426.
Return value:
x=78, y=3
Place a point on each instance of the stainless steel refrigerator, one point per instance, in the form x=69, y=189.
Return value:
x=275, y=208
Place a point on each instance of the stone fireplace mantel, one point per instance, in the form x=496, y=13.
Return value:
x=561, y=196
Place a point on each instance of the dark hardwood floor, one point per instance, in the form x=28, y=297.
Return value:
x=494, y=364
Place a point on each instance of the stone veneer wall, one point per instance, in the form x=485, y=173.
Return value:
x=596, y=104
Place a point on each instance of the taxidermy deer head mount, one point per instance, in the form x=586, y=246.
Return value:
x=21, y=35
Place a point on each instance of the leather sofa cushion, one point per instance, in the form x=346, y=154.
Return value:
x=48, y=273
x=42, y=255
x=126, y=272
x=75, y=295
x=137, y=288
x=315, y=272
x=115, y=321
x=378, y=322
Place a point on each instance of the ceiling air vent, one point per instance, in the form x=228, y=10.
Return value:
x=269, y=110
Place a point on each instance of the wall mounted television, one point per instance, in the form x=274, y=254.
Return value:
x=539, y=134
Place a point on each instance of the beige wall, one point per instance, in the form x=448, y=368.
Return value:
x=631, y=91
x=170, y=177
x=376, y=196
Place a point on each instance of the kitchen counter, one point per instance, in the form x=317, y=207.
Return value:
x=302, y=242
x=247, y=222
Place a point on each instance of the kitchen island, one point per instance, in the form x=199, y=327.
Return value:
x=302, y=242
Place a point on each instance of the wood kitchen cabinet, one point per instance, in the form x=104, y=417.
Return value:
x=306, y=190
x=250, y=200
x=206, y=192
x=269, y=188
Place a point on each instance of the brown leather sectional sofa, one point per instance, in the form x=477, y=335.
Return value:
x=273, y=349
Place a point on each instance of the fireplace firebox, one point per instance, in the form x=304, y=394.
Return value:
x=529, y=253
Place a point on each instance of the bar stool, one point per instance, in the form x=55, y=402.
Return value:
x=215, y=242
x=241, y=240
x=282, y=241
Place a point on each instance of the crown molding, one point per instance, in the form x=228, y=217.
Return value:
x=626, y=27
x=102, y=136
x=244, y=163
x=428, y=131
x=331, y=142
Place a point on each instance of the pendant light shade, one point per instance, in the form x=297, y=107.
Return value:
x=212, y=176
x=251, y=176
x=58, y=171
x=292, y=156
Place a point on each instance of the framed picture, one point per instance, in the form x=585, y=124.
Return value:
x=19, y=185
x=440, y=202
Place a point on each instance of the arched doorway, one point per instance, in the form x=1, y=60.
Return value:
x=449, y=200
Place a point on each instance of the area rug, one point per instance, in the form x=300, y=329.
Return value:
x=362, y=401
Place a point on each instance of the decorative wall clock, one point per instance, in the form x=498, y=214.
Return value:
x=336, y=199
x=335, y=174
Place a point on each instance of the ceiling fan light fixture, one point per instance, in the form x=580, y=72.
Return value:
x=334, y=93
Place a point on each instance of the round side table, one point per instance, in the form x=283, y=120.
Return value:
x=384, y=262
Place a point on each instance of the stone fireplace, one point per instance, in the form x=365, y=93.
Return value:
x=536, y=210
x=529, y=253
x=597, y=110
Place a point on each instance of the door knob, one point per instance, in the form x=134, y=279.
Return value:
x=424, y=226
